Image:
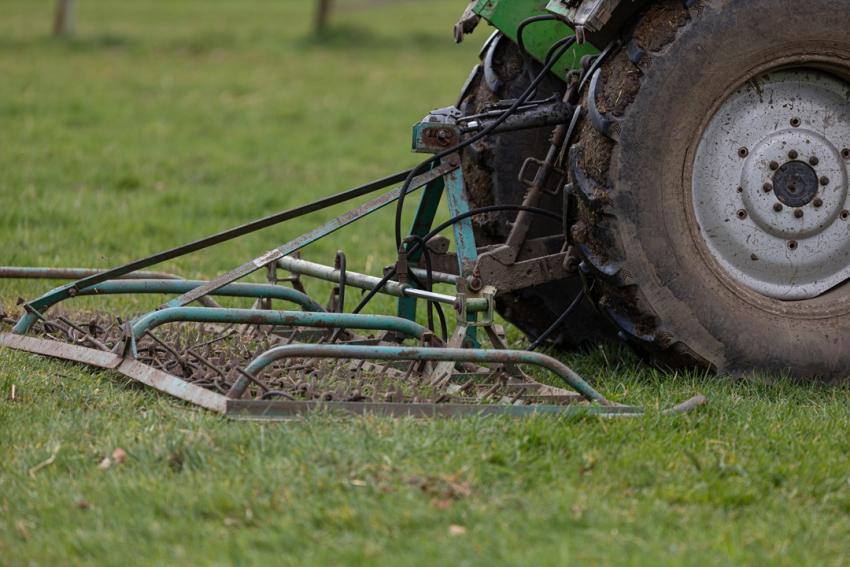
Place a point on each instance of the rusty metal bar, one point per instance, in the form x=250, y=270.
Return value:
x=479, y=356
x=173, y=286
x=317, y=233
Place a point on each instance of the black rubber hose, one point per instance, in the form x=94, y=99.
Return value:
x=520, y=31
x=463, y=216
x=566, y=44
x=544, y=336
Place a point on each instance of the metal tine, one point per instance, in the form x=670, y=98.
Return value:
x=85, y=336
x=206, y=362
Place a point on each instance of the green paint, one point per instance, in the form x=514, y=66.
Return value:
x=506, y=15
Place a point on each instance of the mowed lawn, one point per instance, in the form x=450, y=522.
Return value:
x=164, y=121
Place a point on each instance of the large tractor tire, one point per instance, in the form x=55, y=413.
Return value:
x=712, y=169
x=491, y=168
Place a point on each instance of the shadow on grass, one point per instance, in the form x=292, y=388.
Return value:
x=83, y=44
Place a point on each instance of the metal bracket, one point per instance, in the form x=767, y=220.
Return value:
x=487, y=317
x=437, y=131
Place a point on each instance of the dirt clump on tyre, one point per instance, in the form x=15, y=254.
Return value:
x=491, y=168
x=666, y=246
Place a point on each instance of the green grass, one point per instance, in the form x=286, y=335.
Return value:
x=164, y=121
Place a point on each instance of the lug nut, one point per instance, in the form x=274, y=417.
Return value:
x=774, y=165
x=742, y=214
x=767, y=187
x=798, y=213
x=792, y=244
x=793, y=154
x=795, y=122
x=814, y=160
x=818, y=203
x=743, y=152
x=777, y=207
x=824, y=181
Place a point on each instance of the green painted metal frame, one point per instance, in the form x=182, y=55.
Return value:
x=118, y=287
x=506, y=15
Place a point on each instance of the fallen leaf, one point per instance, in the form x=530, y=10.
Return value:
x=456, y=530
x=105, y=463
x=441, y=503
x=83, y=504
x=23, y=530
x=119, y=455
x=358, y=482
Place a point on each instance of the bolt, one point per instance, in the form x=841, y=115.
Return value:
x=742, y=214
x=793, y=154
x=774, y=165
x=818, y=203
x=792, y=244
x=475, y=284
x=444, y=137
x=795, y=122
x=743, y=152
x=814, y=160
x=777, y=207
x=767, y=187
x=824, y=180
x=798, y=213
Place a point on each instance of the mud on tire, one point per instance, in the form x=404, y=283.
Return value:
x=491, y=169
x=632, y=169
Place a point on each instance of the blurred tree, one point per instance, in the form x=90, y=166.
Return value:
x=63, y=18
x=323, y=12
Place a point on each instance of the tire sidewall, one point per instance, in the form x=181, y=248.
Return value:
x=733, y=328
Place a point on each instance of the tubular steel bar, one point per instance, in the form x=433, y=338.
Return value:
x=115, y=287
x=19, y=272
x=282, y=318
x=428, y=354
x=363, y=281
x=32, y=273
x=329, y=227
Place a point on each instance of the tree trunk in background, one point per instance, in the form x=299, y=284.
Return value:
x=63, y=19
x=323, y=12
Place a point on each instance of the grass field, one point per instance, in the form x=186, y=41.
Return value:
x=163, y=121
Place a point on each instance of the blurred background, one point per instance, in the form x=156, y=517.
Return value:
x=135, y=126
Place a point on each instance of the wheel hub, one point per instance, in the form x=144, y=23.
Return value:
x=795, y=184
x=770, y=184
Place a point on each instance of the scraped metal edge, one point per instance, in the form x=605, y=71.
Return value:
x=65, y=351
x=130, y=368
x=279, y=410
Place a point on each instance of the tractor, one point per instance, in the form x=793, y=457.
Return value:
x=703, y=186
x=668, y=173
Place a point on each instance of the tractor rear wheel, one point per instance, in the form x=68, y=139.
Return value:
x=491, y=169
x=712, y=170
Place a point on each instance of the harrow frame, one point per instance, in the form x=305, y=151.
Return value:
x=438, y=361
